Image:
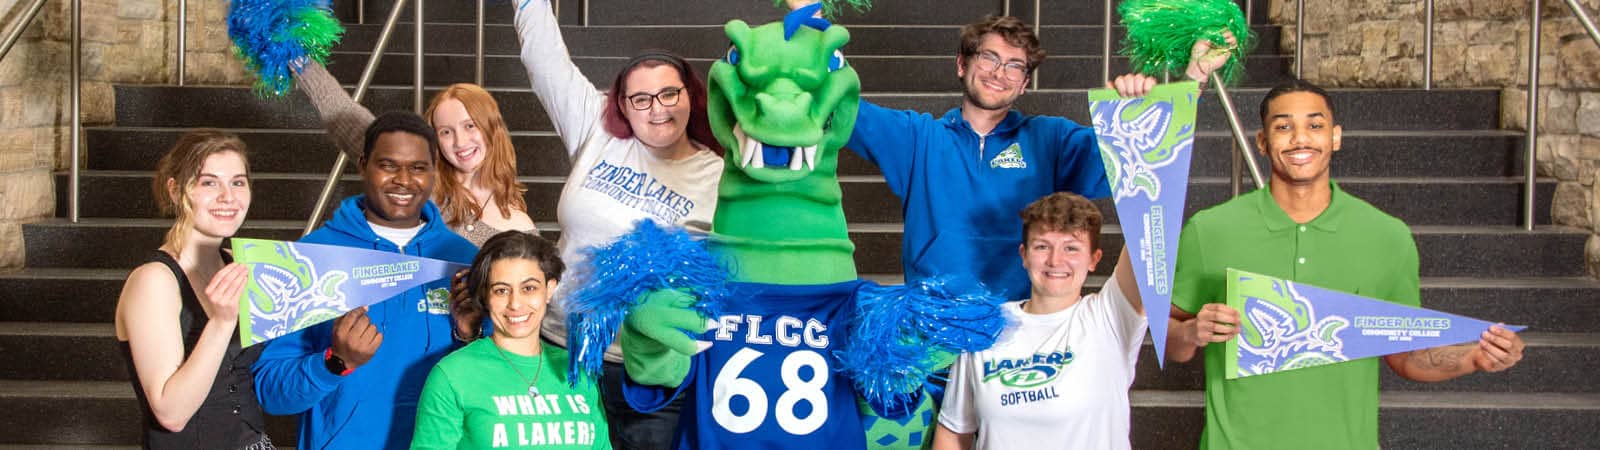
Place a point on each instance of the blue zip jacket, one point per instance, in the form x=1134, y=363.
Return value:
x=376, y=405
x=961, y=193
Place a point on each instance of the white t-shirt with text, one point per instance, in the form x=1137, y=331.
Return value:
x=1057, y=380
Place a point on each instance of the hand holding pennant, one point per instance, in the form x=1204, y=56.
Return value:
x=1145, y=144
x=294, y=285
x=1286, y=325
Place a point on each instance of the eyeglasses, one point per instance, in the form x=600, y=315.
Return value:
x=668, y=97
x=1015, y=71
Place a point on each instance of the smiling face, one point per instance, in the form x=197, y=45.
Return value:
x=658, y=126
x=990, y=89
x=397, y=178
x=517, y=294
x=220, y=196
x=460, y=138
x=1058, y=263
x=1299, y=138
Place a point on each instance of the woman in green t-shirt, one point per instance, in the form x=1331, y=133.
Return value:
x=511, y=390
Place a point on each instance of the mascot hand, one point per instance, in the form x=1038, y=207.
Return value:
x=656, y=342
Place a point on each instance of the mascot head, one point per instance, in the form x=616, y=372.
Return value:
x=783, y=100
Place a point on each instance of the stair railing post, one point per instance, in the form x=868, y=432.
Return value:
x=1533, y=114
x=1037, y=31
x=183, y=27
x=22, y=25
x=1299, y=38
x=367, y=73
x=1238, y=135
x=1427, y=46
x=477, y=66
x=73, y=206
x=416, y=60
x=1105, y=46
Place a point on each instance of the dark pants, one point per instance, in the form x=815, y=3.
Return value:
x=633, y=430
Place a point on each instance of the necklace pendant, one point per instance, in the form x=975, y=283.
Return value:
x=533, y=391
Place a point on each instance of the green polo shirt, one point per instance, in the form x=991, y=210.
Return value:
x=1351, y=247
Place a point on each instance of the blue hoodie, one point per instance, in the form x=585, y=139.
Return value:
x=375, y=406
x=961, y=193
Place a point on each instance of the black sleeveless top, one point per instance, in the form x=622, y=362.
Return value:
x=230, y=417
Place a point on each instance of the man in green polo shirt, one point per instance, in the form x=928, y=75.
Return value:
x=1304, y=228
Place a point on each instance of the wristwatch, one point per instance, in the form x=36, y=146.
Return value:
x=334, y=364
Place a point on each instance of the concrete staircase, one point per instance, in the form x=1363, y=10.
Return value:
x=1435, y=159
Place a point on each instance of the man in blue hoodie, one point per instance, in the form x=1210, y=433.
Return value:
x=962, y=177
x=355, y=380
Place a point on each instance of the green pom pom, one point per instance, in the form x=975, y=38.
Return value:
x=832, y=8
x=1162, y=32
x=317, y=32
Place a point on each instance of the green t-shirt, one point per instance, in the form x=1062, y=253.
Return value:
x=474, y=399
x=1351, y=247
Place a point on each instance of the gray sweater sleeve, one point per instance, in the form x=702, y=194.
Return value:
x=345, y=120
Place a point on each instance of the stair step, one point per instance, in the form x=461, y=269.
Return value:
x=1361, y=110
x=710, y=41
x=290, y=196
x=105, y=413
x=1444, y=251
x=82, y=413
x=541, y=153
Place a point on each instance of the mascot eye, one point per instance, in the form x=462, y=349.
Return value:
x=733, y=55
x=836, y=61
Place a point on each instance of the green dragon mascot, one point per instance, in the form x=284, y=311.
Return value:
x=792, y=349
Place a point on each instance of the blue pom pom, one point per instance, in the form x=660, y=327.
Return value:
x=276, y=38
x=900, y=333
x=649, y=258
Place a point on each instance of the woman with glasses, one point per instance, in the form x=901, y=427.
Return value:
x=643, y=150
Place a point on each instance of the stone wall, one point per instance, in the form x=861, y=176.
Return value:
x=1477, y=44
x=124, y=41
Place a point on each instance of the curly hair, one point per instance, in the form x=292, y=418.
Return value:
x=1009, y=28
x=506, y=245
x=1064, y=212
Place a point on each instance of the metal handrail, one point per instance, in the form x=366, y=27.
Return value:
x=416, y=59
x=1238, y=137
x=183, y=27
x=1533, y=114
x=1427, y=46
x=367, y=74
x=1299, y=38
x=1583, y=17
x=1105, y=46
x=22, y=25
x=73, y=194
x=477, y=65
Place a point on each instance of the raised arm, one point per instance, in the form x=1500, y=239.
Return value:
x=573, y=103
x=148, y=311
x=345, y=120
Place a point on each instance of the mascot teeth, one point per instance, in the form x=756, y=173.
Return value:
x=751, y=153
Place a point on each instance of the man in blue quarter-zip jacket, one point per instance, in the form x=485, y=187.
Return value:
x=962, y=177
x=355, y=380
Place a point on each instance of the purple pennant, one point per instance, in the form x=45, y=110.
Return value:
x=1288, y=325
x=295, y=285
x=1145, y=143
